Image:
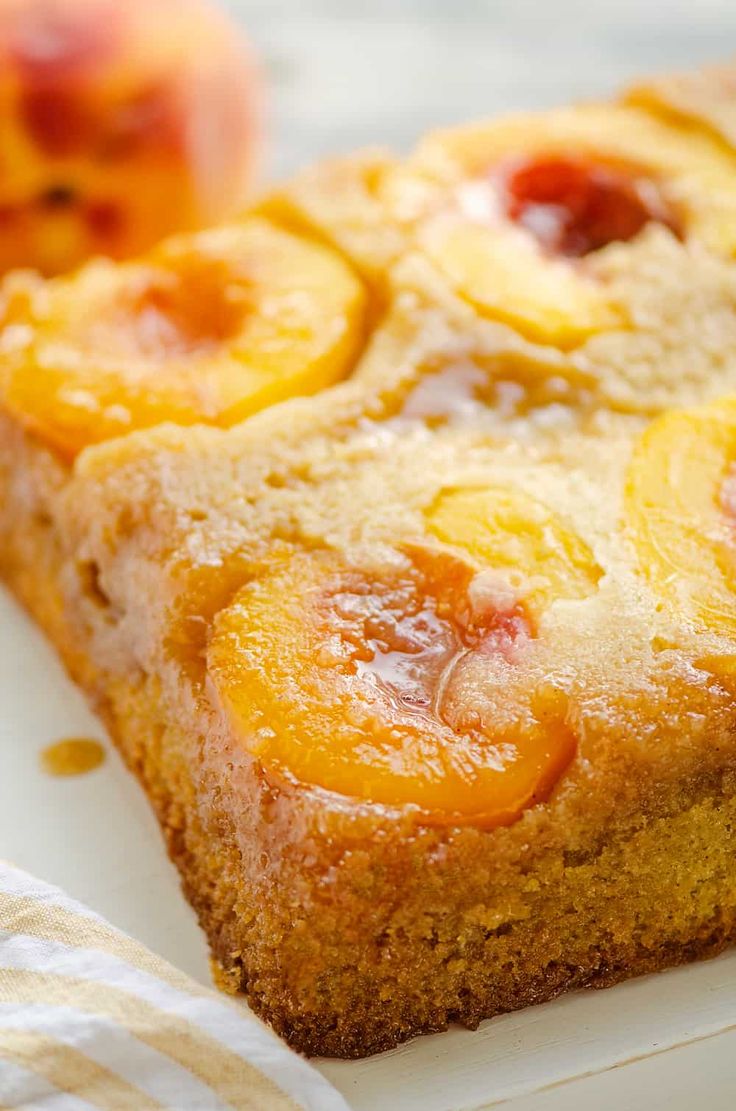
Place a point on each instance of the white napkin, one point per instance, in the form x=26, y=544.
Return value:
x=91, y=1019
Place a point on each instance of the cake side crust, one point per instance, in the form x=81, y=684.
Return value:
x=352, y=930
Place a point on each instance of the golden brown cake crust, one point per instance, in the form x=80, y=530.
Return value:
x=351, y=927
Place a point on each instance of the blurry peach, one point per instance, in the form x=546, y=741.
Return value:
x=119, y=123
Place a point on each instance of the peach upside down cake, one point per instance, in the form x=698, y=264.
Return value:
x=430, y=675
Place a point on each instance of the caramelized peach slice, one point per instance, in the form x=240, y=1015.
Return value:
x=437, y=363
x=405, y=685
x=574, y=206
x=521, y=539
x=207, y=328
x=705, y=98
x=513, y=212
x=680, y=500
x=502, y=274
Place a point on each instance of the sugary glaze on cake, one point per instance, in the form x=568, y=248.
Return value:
x=382, y=610
x=264, y=598
x=598, y=236
x=595, y=241
x=430, y=677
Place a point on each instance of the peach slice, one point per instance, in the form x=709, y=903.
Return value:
x=680, y=503
x=207, y=328
x=513, y=212
x=404, y=685
x=503, y=275
x=575, y=206
x=704, y=98
x=430, y=359
x=520, y=538
x=121, y=121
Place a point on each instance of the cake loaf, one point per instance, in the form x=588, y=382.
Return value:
x=392, y=532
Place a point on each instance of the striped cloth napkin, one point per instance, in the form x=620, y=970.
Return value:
x=91, y=1019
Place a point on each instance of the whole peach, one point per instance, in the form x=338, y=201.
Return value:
x=120, y=121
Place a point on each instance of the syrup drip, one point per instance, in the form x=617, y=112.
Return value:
x=572, y=206
x=411, y=656
x=72, y=756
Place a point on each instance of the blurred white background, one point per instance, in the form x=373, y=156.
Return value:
x=347, y=73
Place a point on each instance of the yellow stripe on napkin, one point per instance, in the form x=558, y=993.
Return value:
x=89, y=1018
x=71, y=1071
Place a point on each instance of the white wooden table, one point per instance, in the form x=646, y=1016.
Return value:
x=346, y=73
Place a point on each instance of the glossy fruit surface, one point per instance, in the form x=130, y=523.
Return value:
x=513, y=213
x=210, y=327
x=573, y=206
x=399, y=686
x=681, y=512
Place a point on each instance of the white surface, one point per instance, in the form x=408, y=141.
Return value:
x=346, y=73
x=667, y=1041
